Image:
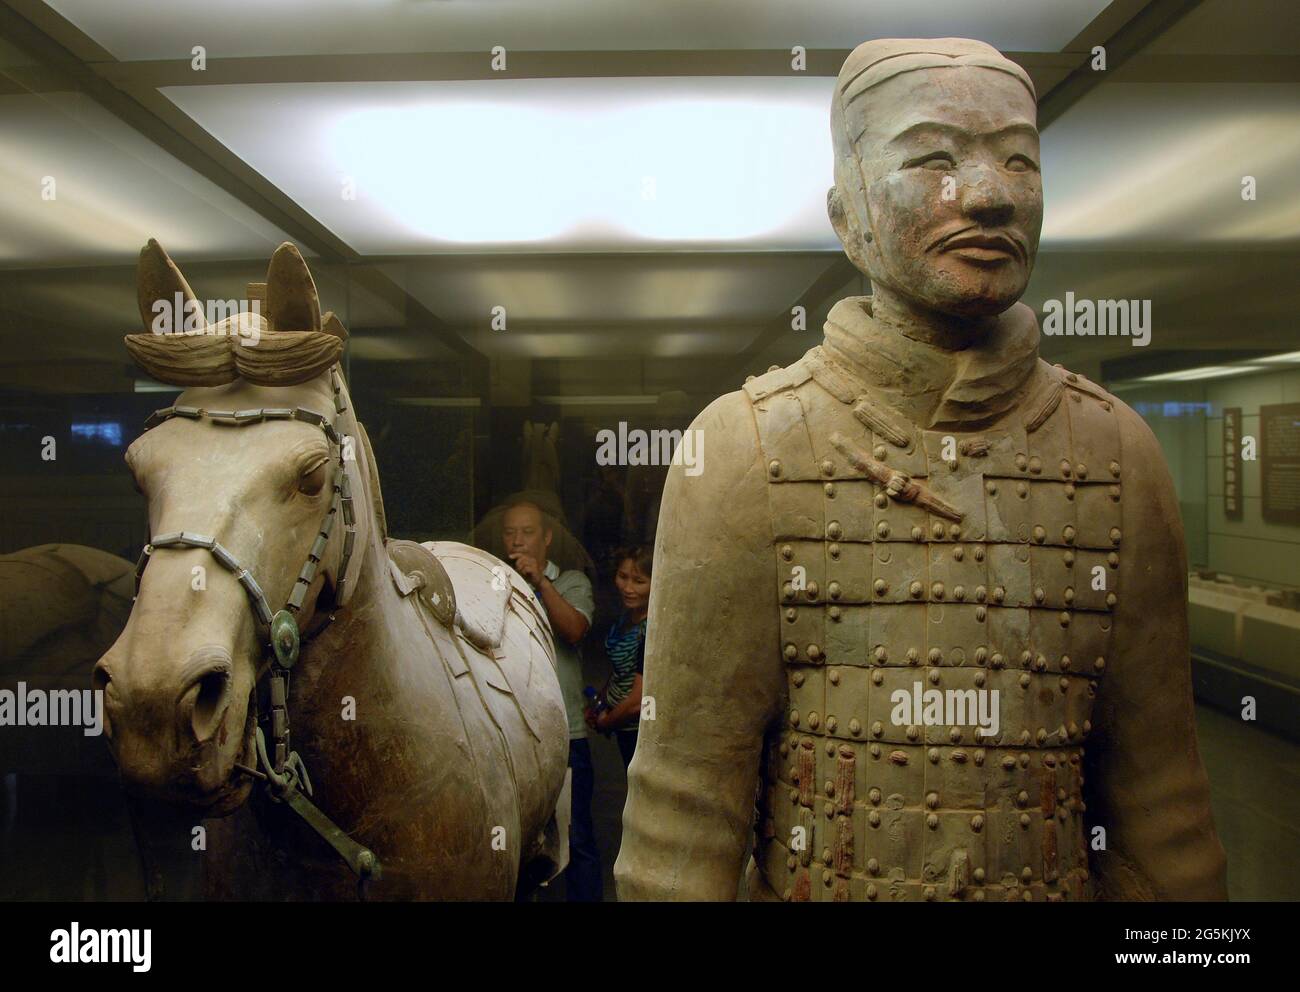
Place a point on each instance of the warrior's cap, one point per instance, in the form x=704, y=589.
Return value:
x=872, y=62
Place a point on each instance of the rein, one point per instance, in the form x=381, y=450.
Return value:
x=283, y=770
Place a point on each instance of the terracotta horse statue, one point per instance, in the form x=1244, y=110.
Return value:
x=414, y=728
x=64, y=606
x=540, y=457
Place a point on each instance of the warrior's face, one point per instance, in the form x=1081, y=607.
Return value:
x=948, y=213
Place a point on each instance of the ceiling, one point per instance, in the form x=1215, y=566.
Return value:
x=633, y=188
x=159, y=29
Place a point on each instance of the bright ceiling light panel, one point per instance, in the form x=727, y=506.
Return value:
x=578, y=164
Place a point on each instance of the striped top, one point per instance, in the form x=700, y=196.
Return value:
x=625, y=646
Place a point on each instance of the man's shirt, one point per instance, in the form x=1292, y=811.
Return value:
x=575, y=588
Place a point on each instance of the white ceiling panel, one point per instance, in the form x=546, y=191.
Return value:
x=79, y=186
x=168, y=29
x=561, y=164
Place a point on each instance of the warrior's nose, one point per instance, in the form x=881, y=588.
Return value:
x=205, y=691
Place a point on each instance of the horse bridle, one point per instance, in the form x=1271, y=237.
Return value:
x=284, y=772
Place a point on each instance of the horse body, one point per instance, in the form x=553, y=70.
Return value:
x=440, y=773
x=438, y=744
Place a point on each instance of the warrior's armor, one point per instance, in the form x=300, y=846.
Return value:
x=1004, y=585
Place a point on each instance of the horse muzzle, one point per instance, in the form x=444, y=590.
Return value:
x=180, y=738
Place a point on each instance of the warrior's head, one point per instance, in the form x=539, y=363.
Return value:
x=937, y=196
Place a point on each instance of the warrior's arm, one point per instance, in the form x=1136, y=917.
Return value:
x=1145, y=773
x=712, y=668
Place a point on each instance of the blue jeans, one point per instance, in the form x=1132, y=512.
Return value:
x=582, y=879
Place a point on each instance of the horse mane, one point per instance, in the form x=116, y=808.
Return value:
x=283, y=358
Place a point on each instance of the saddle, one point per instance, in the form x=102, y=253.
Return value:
x=456, y=584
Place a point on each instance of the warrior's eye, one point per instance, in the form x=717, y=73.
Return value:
x=935, y=161
x=1021, y=163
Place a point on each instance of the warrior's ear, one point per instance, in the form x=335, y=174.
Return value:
x=291, y=300
x=158, y=278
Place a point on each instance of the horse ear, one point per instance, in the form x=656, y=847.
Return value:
x=553, y=433
x=528, y=430
x=291, y=300
x=330, y=324
x=157, y=278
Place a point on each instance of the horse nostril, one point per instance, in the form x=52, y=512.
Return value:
x=99, y=680
x=207, y=692
x=210, y=704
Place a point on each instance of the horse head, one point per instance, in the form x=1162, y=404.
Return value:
x=260, y=508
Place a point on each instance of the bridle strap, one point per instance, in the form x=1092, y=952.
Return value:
x=186, y=539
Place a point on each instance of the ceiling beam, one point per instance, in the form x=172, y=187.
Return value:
x=1124, y=28
x=1045, y=68
x=439, y=66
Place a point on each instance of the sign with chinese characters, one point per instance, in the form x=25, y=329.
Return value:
x=1232, y=480
x=1279, y=459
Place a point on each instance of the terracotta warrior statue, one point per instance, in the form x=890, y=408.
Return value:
x=927, y=598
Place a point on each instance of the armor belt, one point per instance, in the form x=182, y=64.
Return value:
x=911, y=560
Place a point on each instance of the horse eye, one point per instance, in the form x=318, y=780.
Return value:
x=313, y=480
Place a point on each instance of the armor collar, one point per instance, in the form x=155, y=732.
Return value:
x=930, y=385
